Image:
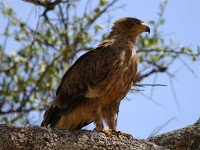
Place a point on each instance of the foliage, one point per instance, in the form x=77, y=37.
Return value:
x=31, y=72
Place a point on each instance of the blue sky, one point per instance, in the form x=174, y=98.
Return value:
x=138, y=115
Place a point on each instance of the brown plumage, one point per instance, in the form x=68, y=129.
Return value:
x=92, y=89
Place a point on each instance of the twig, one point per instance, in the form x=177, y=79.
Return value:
x=154, y=101
x=89, y=23
x=45, y=3
x=141, y=77
x=6, y=34
x=142, y=85
x=15, y=65
x=20, y=111
x=167, y=51
x=174, y=93
x=64, y=21
x=159, y=128
x=188, y=67
x=152, y=88
x=23, y=102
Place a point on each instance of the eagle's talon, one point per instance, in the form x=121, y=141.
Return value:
x=110, y=132
x=125, y=134
x=118, y=133
x=107, y=132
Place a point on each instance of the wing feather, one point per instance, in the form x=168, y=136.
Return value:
x=90, y=69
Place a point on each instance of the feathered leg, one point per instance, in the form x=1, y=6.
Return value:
x=110, y=114
x=99, y=122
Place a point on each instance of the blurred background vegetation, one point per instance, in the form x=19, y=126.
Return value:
x=30, y=74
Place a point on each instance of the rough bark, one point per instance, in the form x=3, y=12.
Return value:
x=183, y=139
x=17, y=138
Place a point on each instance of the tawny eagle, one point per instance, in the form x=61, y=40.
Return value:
x=92, y=88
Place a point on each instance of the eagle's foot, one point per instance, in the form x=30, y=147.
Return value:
x=118, y=133
x=107, y=132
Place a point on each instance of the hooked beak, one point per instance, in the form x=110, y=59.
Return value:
x=145, y=27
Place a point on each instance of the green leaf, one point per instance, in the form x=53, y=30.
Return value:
x=182, y=49
x=97, y=10
x=20, y=116
x=103, y=2
x=48, y=34
x=162, y=21
x=98, y=27
x=17, y=37
x=151, y=22
x=15, y=78
x=13, y=53
x=14, y=21
x=22, y=25
x=3, y=5
x=5, y=120
x=42, y=67
x=1, y=49
x=194, y=58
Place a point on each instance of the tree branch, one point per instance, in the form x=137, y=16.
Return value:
x=93, y=20
x=12, y=137
x=20, y=111
x=183, y=139
x=140, y=77
x=45, y=3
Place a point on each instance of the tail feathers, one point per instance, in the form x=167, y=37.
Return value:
x=51, y=117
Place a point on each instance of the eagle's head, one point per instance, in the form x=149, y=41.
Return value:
x=130, y=27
